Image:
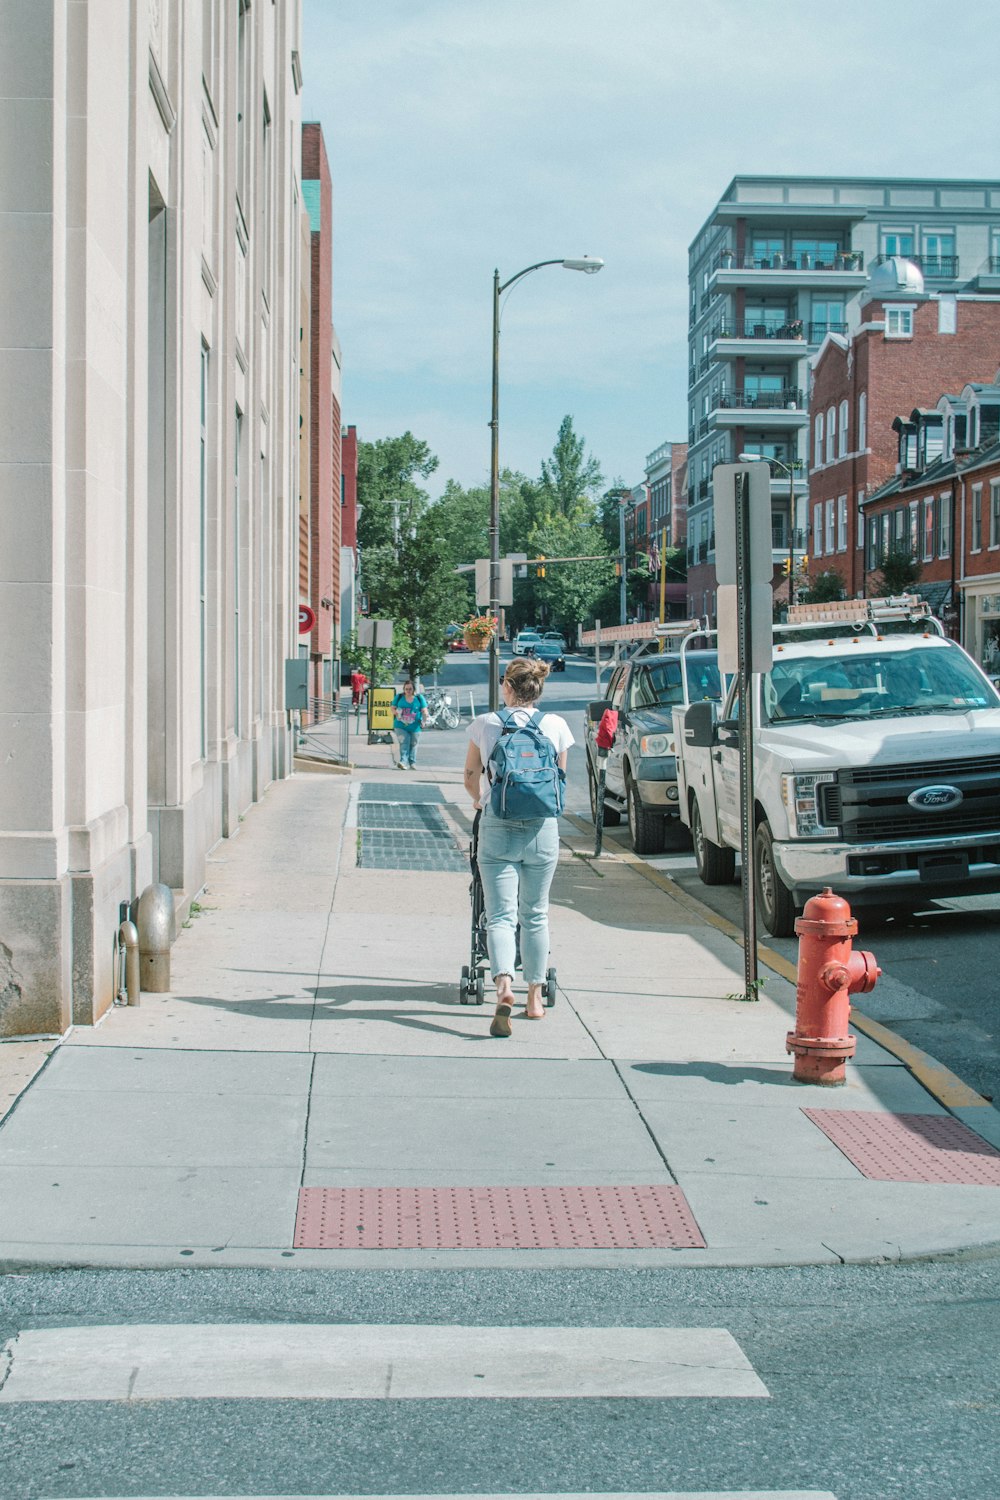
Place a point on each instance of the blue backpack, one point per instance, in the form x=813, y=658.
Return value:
x=526, y=780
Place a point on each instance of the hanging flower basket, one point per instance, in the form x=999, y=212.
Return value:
x=479, y=631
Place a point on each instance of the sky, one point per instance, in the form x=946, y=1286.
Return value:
x=465, y=135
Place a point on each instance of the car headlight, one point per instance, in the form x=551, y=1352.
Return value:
x=656, y=744
x=801, y=799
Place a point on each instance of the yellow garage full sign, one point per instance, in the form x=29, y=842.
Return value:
x=380, y=715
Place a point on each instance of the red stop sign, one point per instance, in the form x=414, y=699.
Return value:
x=307, y=619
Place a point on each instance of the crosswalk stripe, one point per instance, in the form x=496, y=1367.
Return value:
x=539, y=1495
x=164, y=1362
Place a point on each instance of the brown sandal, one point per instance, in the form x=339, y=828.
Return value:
x=500, y=1025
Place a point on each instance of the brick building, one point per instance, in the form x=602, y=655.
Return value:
x=910, y=345
x=324, y=423
x=942, y=506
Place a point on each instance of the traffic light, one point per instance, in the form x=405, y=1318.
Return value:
x=618, y=570
x=540, y=568
x=786, y=566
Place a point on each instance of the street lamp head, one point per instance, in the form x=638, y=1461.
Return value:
x=588, y=263
x=750, y=458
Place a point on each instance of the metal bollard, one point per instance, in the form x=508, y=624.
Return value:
x=155, y=922
x=128, y=938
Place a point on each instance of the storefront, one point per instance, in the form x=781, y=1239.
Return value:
x=981, y=634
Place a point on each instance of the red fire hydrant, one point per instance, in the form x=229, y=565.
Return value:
x=829, y=973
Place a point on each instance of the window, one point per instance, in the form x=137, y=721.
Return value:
x=977, y=518
x=899, y=322
x=818, y=442
x=842, y=523
x=768, y=251
x=862, y=422
x=831, y=540
x=944, y=525
x=818, y=529
x=938, y=255
x=828, y=316
x=842, y=435
x=831, y=434
x=994, y=513
x=814, y=252
x=914, y=527
x=928, y=529
x=897, y=242
x=860, y=520
x=872, y=557
x=242, y=101
x=899, y=524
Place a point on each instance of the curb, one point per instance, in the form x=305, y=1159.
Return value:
x=952, y=1092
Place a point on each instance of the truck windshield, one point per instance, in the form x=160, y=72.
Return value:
x=855, y=686
x=660, y=684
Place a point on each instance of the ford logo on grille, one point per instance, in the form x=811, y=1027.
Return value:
x=935, y=798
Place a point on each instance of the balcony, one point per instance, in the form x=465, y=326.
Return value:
x=761, y=409
x=844, y=260
x=933, y=267
x=779, y=537
x=845, y=271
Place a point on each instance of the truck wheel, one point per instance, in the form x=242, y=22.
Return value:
x=612, y=817
x=716, y=864
x=648, y=829
x=777, y=908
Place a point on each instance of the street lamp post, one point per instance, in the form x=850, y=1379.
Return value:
x=789, y=469
x=586, y=263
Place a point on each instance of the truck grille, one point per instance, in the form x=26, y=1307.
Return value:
x=868, y=804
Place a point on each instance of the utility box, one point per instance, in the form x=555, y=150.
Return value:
x=296, y=683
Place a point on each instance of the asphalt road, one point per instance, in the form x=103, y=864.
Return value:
x=881, y=1384
x=940, y=985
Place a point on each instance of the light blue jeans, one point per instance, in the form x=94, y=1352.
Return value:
x=517, y=859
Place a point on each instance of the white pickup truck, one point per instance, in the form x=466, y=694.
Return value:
x=876, y=771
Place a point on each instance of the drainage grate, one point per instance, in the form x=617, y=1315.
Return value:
x=414, y=815
x=654, y=1217
x=408, y=849
x=399, y=791
x=910, y=1148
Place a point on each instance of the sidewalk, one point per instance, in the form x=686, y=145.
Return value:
x=313, y=1047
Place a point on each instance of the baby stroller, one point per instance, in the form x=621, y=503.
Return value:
x=472, y=985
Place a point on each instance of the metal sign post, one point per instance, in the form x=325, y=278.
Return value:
x=744, y=566
x=744, y=627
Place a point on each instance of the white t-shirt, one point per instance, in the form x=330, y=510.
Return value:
x=485, y=731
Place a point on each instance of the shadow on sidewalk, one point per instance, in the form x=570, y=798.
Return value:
x=725, y=1073
x=351, y=1002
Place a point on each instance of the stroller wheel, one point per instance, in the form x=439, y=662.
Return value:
x=463, y=986
x=550, y=987
x=480, y=989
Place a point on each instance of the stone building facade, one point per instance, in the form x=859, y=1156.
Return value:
x=150, y=233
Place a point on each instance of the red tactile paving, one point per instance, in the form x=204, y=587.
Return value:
x=656, y=1217
x=910, y=1148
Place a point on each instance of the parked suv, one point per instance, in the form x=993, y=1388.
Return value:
x=641, y=769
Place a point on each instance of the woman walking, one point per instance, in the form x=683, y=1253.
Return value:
x=517, y=857
x=409, y=710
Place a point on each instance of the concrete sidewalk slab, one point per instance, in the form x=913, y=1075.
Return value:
x=469, y=1141
x=459, y=1078
x=144, y=1215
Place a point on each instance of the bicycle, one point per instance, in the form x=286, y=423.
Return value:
x=441, y=710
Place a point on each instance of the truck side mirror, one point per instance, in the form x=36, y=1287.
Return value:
x=597, y=709
x=699, y=724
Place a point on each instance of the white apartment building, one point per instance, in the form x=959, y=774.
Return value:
x=780, y=263
x=150, y=243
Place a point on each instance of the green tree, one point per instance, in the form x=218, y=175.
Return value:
x=570, y=479
x=825, y=588
x=418, y=588
x=387, y=473
x=569, y=592
x=900, y=572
